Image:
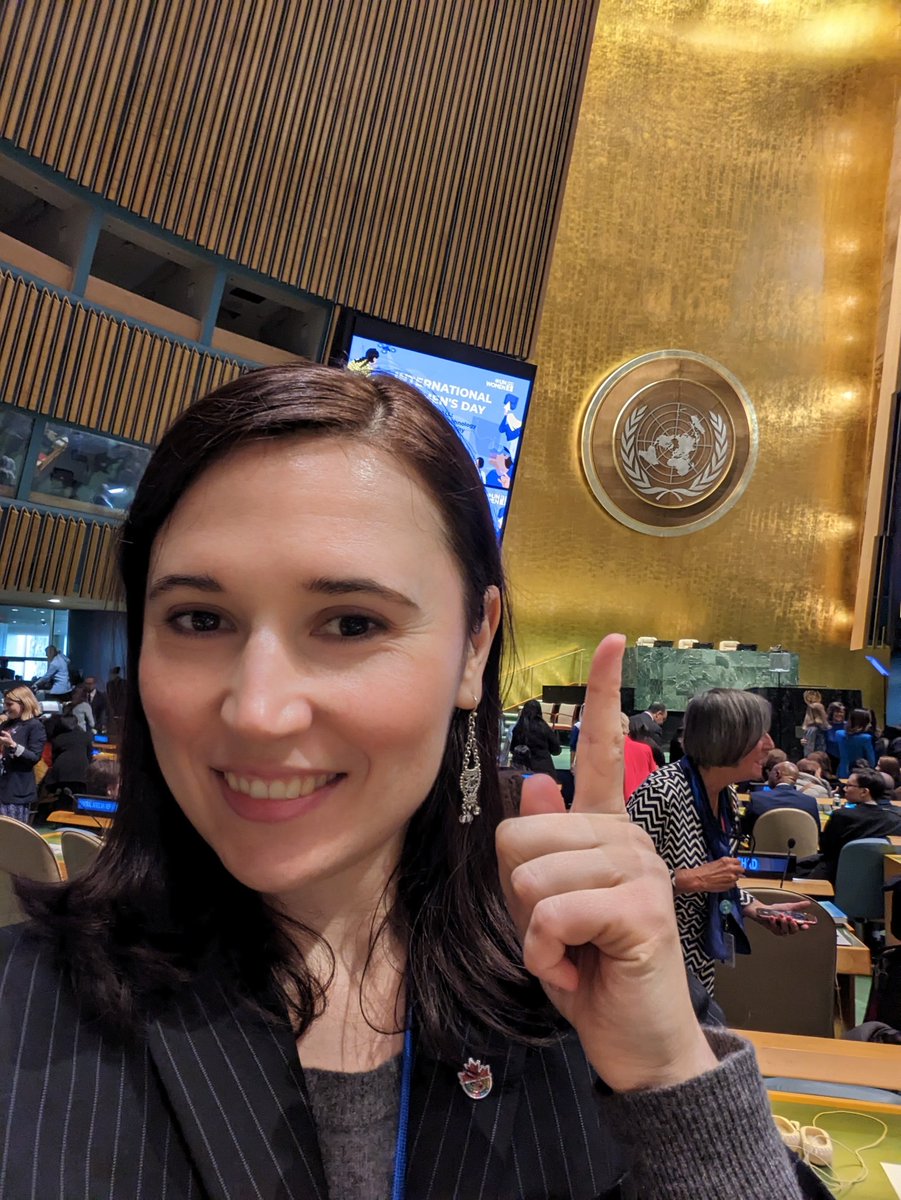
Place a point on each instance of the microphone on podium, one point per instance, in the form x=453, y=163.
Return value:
x=790, y=845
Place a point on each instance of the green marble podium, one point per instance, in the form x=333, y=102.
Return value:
x=674, y=676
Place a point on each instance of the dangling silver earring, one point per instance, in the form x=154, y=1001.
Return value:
x=471, y=775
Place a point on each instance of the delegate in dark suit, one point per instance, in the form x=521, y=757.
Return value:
x=99, y=707
x=783, y=796
x=648, y=722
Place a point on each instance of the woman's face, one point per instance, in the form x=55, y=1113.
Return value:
x=13, y=709
x=304, y=647
x=751, y=766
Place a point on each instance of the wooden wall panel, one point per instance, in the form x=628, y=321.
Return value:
x=81, y=365
x=403, y=158
x=46, y=554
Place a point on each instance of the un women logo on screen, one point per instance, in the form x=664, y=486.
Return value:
x=669, y=442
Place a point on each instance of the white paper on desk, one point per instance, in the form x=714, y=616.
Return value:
x=893, y=1171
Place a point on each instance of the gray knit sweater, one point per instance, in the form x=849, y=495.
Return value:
x=709, y=1139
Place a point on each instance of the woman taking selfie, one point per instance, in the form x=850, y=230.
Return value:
x=310, y=960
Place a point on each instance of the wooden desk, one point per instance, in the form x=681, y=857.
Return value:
x=827, y=1060
x=852, y=959
x=84, y=820
x=891, y=866
x=817, y=888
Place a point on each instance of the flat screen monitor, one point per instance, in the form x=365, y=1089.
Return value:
x=96, y=806
x=747, y=645
x=485, y=396
x=768, y=866
x=101, y=739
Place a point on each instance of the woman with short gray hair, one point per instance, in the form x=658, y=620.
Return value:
x=690, y=811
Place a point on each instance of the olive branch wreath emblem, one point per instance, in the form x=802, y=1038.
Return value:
x=642, y=482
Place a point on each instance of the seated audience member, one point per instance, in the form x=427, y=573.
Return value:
x=889, y=765
x=70, y=746
x=826, y=771
x=103, y=778
x=888, y=735
x=533, y=731
x=773, y=759
x=639, y=732
x=639, y=760
x=782, y=792
x=79, y=708
x=855, y=743
x=810, y=779
x=867, y=814
x=689, y=811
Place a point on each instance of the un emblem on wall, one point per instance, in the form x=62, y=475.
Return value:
x=669, y=442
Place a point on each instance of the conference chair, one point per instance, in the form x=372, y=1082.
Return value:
x=859, y=879
x=773, y=830
x=547, y=711
x=79, y=850
x=567, y=715
x=786, y=984
x=22, y=852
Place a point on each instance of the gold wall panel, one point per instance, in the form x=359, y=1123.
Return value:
x=78, y=364
x=726, y=195
x=403, y=158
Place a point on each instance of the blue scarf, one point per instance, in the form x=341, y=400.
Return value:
x=724, y=915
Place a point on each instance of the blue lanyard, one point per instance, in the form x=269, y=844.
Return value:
x=403, y=1120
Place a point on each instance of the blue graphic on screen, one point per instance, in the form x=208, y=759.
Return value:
x=487, y=408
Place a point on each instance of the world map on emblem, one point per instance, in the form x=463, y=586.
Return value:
x=669, y=442
x=674, y=453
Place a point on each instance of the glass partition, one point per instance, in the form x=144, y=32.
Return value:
x=15, y=433
x=86, y=471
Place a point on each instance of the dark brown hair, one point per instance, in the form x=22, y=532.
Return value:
x=158, y=909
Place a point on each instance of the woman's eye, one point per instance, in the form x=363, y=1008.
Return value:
x=352, y=626
x=197, y=621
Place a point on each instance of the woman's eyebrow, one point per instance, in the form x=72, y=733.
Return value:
x=347, y=587
x=168, y=583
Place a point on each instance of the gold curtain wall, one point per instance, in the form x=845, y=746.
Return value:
x=726, y=195
x=403, y=158
x=75, y=363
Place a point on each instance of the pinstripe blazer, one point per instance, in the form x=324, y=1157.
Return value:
x=212, y=1105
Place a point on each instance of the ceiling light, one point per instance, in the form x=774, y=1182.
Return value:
x=54, y=600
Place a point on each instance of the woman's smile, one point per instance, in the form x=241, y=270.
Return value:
x=273, y=800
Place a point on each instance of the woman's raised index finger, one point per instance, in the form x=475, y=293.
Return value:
x=599, y=773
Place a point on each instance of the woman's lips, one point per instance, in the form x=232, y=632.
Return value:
x=274, y=800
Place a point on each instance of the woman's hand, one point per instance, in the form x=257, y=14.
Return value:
x=593, y=904
x=7, y=741
x=717, y=876
x=780, y=918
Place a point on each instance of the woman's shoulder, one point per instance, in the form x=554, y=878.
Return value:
x=665, y=784
x=29, y=974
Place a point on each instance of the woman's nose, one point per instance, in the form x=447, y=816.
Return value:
x=269, y=695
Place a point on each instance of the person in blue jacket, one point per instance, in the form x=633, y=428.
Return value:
x=855, y=743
